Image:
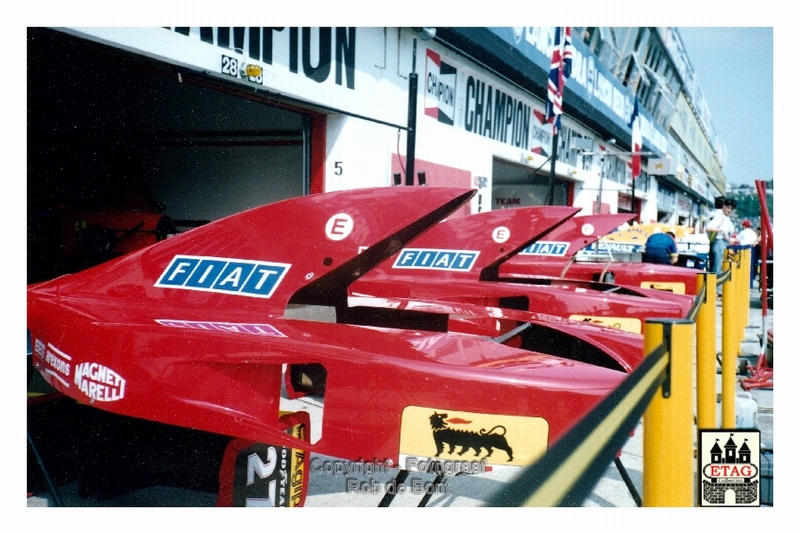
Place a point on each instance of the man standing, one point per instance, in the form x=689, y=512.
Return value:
x=749, y=238
x=718, y=201
x=720, y=228
x=661, y=248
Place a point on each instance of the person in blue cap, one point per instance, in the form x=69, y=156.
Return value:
x=661, y=248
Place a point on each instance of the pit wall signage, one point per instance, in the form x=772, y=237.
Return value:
x=342, y=67
x=440, y=88
x=462, y=97
x=590, y=80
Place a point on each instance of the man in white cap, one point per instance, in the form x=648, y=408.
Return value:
x=749, y=238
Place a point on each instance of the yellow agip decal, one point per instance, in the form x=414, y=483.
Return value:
x=469, y=441
x=674, y=287
x=627, y=324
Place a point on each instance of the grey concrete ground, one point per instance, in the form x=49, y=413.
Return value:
x=327, y=490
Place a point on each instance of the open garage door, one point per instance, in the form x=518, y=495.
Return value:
x=111, y=130
x=515, y=185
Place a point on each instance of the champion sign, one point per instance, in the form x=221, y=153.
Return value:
x=443, y=260
x=223, y=275
x=440, y=88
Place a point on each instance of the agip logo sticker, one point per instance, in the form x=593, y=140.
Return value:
x=430, y=434
x=223, y=275
x=729, y=467
x=679, y=288
x=627, y=324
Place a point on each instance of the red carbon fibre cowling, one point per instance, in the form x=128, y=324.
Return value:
x=582, y=231
x=494, y=237
x=196, y=331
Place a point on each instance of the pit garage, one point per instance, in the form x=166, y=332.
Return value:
x=124, y=149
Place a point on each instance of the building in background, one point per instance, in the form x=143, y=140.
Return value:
x=215, y=120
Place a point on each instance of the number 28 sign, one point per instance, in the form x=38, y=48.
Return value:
x=234, y=68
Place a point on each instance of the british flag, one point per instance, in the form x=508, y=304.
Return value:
x=560, y=70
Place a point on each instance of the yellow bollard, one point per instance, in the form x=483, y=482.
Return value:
x=668, y=434
x=736, y=265
x=744, y=288
x=730, y=347
x=707, y=353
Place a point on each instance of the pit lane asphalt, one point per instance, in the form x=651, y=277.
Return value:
x=329, y=490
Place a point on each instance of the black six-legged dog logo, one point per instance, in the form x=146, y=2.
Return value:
x=443, y=434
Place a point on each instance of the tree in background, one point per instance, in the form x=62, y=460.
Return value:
x=748, y=205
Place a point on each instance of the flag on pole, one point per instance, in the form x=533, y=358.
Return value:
x=560, y=70
x=636, y=141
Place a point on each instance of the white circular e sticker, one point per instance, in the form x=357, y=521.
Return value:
x=587, y=229
x=339, y=226
x=501, y=234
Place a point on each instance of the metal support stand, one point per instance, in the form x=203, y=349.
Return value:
x=391, y=492
x=760, y=375
x=628, y=482
x=48, y=479
x=389, y=496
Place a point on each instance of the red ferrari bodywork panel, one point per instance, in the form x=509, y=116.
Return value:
x=197, y=331
x=558, y=259
x=482, y=243
x=133, y=229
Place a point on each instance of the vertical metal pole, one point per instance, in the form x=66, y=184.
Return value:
x=744, y=288
x=51, y=485
x=599, y=205
x=668, y=438
x=411, y=135
x=730, y=349
x=707, y=353
x=552, y=185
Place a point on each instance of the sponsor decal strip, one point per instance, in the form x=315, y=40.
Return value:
x=58, y=360
x=436, y=259
x=39, y=348
x=546, y=248
x=223, y=275
x=98, y=382
x=627, y=324
x=59, y=352
x=256, y=329
x=57, y=377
